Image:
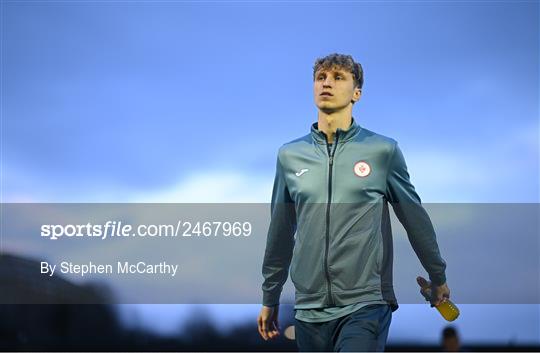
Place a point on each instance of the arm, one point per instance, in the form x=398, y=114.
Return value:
x=279, y=241
x=278, y=254
x=408, y=208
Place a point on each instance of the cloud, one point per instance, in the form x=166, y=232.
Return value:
x=467, y=171
x=485, y=172
x=208, y=186
x=213, y=186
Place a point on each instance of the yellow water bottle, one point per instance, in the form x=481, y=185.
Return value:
x=447, y=309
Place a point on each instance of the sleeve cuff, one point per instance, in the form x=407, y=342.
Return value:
x=438, y=280
x=270, y=299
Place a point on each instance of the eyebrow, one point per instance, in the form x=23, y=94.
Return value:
x=336, y=71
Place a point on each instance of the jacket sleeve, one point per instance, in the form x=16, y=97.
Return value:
x=414, y=218
x=279, y=241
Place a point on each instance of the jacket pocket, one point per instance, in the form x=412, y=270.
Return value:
x=356, y=264
x=307, y=269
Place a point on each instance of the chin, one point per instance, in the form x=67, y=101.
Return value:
x=327, y=110
x=325, y=105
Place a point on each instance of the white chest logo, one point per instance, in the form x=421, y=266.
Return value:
x=301, y=172
x=362, y=169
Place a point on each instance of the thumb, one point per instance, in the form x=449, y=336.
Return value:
x=276, y=325
x=275, y=320
x=422, y=282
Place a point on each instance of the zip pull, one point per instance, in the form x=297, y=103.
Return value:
x=331, y=160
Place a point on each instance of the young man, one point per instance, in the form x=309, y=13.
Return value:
x=330, y=222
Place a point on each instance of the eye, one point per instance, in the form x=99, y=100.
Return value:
x=339, y=77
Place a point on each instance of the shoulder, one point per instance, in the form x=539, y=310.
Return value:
x=380, y=142
x=295, y=146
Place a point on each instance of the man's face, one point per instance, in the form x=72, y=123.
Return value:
x=334, y=89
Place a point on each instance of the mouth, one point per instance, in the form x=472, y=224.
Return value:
x=326, y=94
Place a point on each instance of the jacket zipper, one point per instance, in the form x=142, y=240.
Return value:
x=326, y=249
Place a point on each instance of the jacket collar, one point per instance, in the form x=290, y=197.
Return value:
x=344, y=135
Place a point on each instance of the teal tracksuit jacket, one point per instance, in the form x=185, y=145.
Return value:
x=330, y=222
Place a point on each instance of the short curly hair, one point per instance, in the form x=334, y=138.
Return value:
x=342, y=61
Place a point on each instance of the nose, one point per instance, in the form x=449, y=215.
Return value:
x=327, y=83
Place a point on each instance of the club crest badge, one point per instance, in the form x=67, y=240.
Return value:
x=362, y=169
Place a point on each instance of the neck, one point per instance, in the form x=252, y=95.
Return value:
x=330, y=122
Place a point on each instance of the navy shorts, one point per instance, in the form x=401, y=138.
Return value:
x=364, y=330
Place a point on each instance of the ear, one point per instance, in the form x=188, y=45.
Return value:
x=356, y=94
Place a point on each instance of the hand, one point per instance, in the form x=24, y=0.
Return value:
x=438, y=293
x=268, y=322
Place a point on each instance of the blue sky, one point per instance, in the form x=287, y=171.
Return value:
x=189, y=101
